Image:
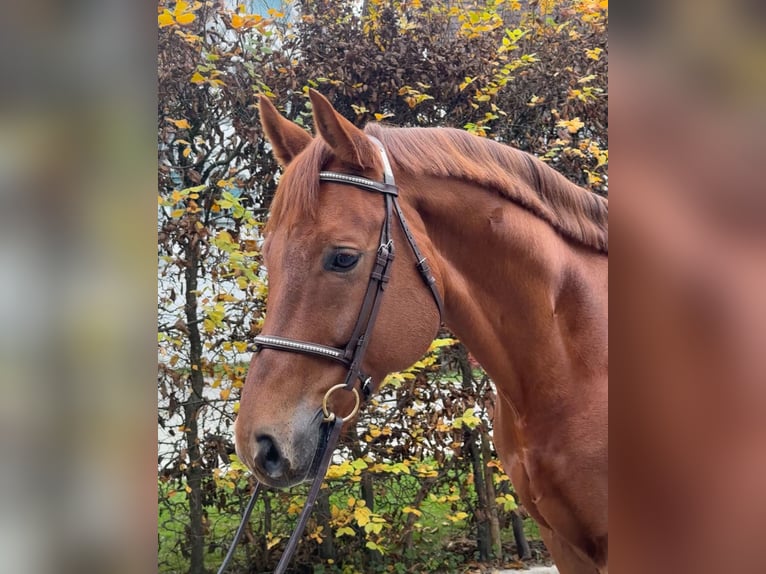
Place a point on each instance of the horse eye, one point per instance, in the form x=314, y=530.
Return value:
x=341, y=261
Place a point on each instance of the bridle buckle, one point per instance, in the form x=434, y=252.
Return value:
x=386, y=247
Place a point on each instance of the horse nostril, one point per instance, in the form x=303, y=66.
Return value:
x=269, y=458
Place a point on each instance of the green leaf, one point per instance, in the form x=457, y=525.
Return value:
x=373, y=546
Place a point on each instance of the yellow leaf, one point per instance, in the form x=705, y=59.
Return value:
x=572, y=126
x=186, y=152
x=273, y=542
x=240, y=346
x=197, y=78
x=165, y=19
x=225, y=393
x=507, y=501
x=362, y=515
x=594, y=54
x=373, y=546
x=186, y=18
x=190, y=38
x=237, y=21
x=224, y=237
x=436, y=343
x=381, y=117
x=177, y=213
x=181, y=124
x=464, y=84
x=339, y=470
x=593, y=178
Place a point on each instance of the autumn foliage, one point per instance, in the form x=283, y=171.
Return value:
x=420, y=470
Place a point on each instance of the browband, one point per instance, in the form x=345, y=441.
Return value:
x=356, y=181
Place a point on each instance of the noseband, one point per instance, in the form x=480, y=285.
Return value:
x=352, y=354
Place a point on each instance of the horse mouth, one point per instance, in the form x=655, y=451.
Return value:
x=324, y=437
x=303, y=467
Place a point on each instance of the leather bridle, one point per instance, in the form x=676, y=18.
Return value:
x=352, y=355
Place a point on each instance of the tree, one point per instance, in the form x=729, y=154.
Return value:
x=211, y=292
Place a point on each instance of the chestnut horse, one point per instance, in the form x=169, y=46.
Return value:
x=519, y=257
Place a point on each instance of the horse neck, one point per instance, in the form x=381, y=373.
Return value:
x=525, y=301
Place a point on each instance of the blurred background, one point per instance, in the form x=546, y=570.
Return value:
x=688, y=380
x=77, y=229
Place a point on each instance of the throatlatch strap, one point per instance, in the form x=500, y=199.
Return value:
x=422, y=263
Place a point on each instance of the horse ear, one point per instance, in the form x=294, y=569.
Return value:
x=347, y=141
x=287, y=139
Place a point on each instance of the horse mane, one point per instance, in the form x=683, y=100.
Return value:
x=574, y=212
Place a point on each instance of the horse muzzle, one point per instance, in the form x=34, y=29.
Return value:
x=281, y=460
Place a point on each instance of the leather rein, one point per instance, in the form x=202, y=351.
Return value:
x=352, y=355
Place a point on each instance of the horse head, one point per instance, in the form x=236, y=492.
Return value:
x=323, y=245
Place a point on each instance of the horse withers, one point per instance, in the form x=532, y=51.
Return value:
x=517, y=254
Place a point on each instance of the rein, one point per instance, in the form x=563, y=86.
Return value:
x=352, y=354
x=292, y=544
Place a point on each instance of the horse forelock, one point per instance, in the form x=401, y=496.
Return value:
x=574, y=212
x=297, y=195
